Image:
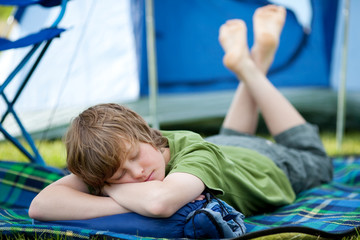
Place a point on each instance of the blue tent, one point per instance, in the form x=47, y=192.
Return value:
x=190, y=74
x=189, y=56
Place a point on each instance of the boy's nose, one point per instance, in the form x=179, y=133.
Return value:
x=138, y=172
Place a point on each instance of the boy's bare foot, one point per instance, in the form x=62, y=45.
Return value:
x=233, y=39
x=268, y=23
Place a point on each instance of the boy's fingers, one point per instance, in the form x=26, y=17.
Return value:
x=199, y=198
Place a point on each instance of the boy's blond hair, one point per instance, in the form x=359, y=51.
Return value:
x=97, y=141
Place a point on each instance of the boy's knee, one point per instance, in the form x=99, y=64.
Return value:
x=312, y=171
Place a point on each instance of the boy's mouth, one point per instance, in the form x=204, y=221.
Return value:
x=149, y=177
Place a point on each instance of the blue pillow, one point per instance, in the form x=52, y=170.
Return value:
x=210, y=218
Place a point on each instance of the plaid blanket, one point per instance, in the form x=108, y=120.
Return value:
x=20, y=182
x=331, y=210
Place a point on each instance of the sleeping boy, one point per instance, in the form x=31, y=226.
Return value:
x=119, y=164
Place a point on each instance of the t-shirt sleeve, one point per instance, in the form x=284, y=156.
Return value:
x=202, y=161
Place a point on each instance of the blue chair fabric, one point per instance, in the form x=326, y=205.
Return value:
x=38, y=43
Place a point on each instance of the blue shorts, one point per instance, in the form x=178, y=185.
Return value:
x=298, y=151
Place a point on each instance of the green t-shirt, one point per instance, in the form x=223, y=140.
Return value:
x=243, y=178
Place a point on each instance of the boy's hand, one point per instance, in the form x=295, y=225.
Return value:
x=199, y=198
x=107, y=189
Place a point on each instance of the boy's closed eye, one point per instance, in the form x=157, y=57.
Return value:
x=118, y=176
x=121, y=175
x=134, y=153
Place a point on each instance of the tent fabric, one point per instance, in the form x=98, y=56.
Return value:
x=93, y=61
x=189, y=57
x=329, y=210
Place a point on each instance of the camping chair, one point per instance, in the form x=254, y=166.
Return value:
x=38, y=43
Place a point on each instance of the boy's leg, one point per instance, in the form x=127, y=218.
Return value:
x=268, y=22
x=242, y=115
x=277, y=111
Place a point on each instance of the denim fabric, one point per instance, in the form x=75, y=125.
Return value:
x=216, y=220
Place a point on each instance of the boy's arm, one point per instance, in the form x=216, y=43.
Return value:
x=157, y=198
x=69, y=199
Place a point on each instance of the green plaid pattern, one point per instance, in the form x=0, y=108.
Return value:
x=20, y=182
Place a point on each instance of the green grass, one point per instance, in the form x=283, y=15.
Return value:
x=5, y=12
x=54, y=152
x=350, y=145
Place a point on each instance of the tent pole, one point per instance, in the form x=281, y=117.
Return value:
x=341, y=111
x=152, y=65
